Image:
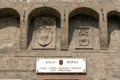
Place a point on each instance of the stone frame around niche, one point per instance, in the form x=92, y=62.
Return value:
x=44, y=33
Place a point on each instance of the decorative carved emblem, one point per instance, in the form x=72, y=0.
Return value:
x=61, y=62
x=44, y=36
x=44, y=32
x=83, y=37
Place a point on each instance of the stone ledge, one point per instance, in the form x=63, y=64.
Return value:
x=11, y=79
x=17, y=79
x=44, y=54
x=52, y=53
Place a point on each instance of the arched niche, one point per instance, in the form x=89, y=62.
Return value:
x=44, y=28
x=83, y=29
x=113, y=18
x=9, y=29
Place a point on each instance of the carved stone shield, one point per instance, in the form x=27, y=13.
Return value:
x=44, y=33
x=44, y=36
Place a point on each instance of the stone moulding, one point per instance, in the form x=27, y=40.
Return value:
x=11, y=79
x=35, y=1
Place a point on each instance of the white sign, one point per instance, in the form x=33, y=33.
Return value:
x=68, y=65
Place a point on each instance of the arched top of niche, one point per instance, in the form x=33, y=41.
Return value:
x=86, y=11
x=9, y=29
x=44, y=11
x=113, y=18
x=43, y=20
x=9, y=12
x=113, y=13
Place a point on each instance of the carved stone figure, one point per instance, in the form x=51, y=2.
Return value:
x=44, y=32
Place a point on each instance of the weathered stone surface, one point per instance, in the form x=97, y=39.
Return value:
x=9, y=32
x=17, y=57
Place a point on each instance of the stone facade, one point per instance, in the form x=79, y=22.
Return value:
x=31, y=29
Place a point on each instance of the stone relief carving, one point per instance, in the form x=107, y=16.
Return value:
x=84, y=37
x=44, y=36
x=44, y=33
